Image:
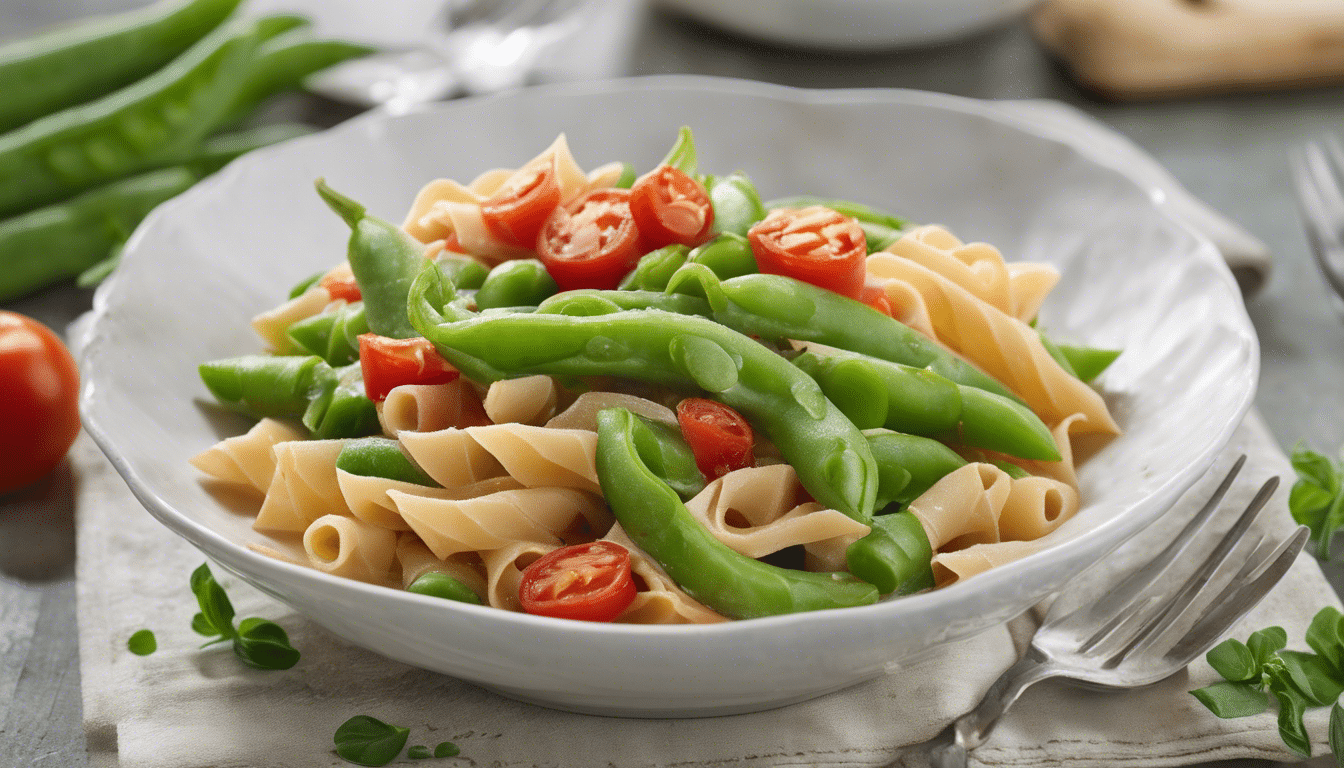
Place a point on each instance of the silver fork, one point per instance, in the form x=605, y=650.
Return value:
x=1126, y=638
x=1317, y=171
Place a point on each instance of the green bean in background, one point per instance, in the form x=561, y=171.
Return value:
x=385, y=261
x=684, y=352
x=339, y=408
x=727, y=256
x=908, y=465
x=381, y=457
x=74, y=64
x=283, y=63
x=332, y=336
x=737, y=204
x=441, y=585
x=158, y=121
x=654, y=269
x=516, y=283
x=267, y=385
x=657, y=521
x=895, y=556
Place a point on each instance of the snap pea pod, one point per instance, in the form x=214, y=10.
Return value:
x=516, y=283
x=333, y=336
x=654, y=269
x=590, y=301
x=682, y=155
x=157, y=121
x=221, y=149
x=681, y=351
x=737, y=204
x=666, y=453
x=284, y=62
x=627, y=177
x=266, y=385
x=381, y=457
x=73, y=64
x=465, y=272
x=658, y=522
x=727, y=256
x=1088, y=362
x=879, y=393
x=895, y=556
x=775, y=307
x=879, y=227
x=908, y=465
x=385, y=261
x=339, y=407
x=439, y=584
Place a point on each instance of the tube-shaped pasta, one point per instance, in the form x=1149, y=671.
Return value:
x=344, y=546
x=303, y=488
x=949, y=567
x=272, y=324
x=431, y=407
x=449, y=526
x=249, y=458
x=527, y=400
x=416, y=560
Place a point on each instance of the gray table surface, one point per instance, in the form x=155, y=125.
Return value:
x=1228, y=150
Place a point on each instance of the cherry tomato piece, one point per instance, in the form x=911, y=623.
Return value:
x=39, y=400
x=517, y=211
x=388, y=363
x=592, y=242
x=671, y=207
x=816, y=245
x=718, y=435
x=588, y=582
x=341, y=284
x=875, y=297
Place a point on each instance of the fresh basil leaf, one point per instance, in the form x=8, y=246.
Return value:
x=682, y=155
x=365, y=740
x=215, y=605
x=1334, y=520
x=1315, y=469
x=1233, y=699
x=1337, y=733
x=142, y=643
x=1234, y=661
x=1325, y=636
x=447, y=749
x=1312, y=676
x=1265, y=642
x=202, y=626
x=418, y=752
x=263, y=644
x=1292, y=706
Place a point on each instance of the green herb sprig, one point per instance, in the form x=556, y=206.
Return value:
x=142, y=643
x=1259, y=668
x=1317, y=498
x=365, y=740
x=259, y=643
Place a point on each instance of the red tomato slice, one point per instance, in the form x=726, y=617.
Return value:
x=813, y=244
x=388, y=363
x=592, y=242
x=718, y=435
x=588, y=582
x=341, y=284
x=671, y=207
x=39, y=390
x=517, y=211
x=875, y=297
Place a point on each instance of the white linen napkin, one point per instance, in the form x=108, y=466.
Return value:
x=184, y=707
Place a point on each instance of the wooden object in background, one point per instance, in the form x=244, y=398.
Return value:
x=1135, y=49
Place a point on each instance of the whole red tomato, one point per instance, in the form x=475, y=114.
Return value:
x=39, y=394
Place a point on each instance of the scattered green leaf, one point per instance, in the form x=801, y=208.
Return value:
x=365, y=740
x=1325, y=636
x=1234, y=661
x=142, y=643
x=1312, y=676
x=264, y=645
x=1292, y=706
x=449, y=749
x=1336, y=736
x=1227, y=699
x=418, y=752
x=1315, y=500
x=1265, y=643
x=216, y=610
x=202, y=626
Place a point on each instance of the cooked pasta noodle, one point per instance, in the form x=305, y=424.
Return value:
x=248, y=458
x=431, y=407
x=539, y=457
x=452, y=457
x=528, y=400
x=949, y=567
x=303, y=488
x=272, y=324
x=494, y=520
x=658, y=600
x=582, y=413
x=344, y=546
x=416, y=560
x=504, y=571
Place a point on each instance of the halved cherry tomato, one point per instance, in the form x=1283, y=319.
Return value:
x=588, y=582
x=451, y=243
x=592, y=242
x=718, y=435
x=39, y=390
x=671, y=207
x=388, y=363
x=517, y=211
x=816, y=245
x=875, y=297
x=341, y=284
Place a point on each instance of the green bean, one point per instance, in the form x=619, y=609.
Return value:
x=73, y=64
x=895, y=556
x=1088, y=362
x=736, y=203
x=465, y=272
x=384, y=259
x=284, y=62
x=682, y=156
x=265, y=385
x=658, y=522
x=339, y=407
x=908, y=465
x=439, y=584
x=333, y=336
x=516, y=283
x=667, y=455
x=685, y=352
x=727, y=256
x=627, y=178
x=654, y=269
x=155, y=122
x=590, y=301
x=221, y=149
x=381, y=457
x=92, y=276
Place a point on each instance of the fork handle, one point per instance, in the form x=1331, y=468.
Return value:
x=971, y=729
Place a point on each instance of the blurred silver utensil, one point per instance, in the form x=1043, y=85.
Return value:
x=1126, y=638
x=1318, y=168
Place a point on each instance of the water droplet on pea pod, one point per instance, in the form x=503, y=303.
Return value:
x=708, y=364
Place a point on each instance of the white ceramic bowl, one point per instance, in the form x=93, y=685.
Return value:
x=852, y=25
x=201, y=265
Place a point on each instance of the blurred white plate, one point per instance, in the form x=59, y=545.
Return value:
x=1133, y=278
x=854, y=25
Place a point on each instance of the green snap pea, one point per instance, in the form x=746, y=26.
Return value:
x=737, y=205
x=908, y=465
x=682, y=156
x=775, y=307
x=284, y=62
x=516, y=283
x=684, y=352
x=627, y=177
x=381, y=457
x=879, y=393
x=221, y=149
x=266, y=385
x=332, y=336
x=895, y=556
x=654, y=269
x=339, y=408
x=439, y=584
x=74, y=64
x=727, y=256
x=1088, y=362
x=384, y=259
x=658, y=522
x=667, y=455
x=589, y=301
x=157, y=121
x=303, y=285
x=465, y=272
